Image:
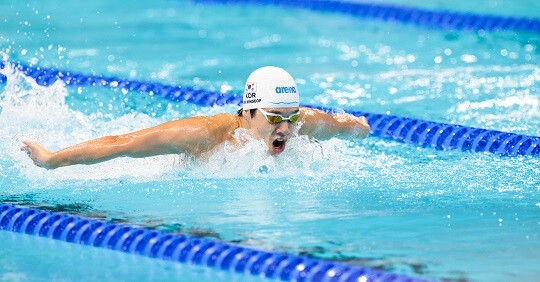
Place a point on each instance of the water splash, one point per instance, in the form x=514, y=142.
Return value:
x=303, y=157
x=33, y=112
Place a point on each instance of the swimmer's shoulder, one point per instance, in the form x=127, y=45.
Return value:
x=224, y=121
x=220, y=126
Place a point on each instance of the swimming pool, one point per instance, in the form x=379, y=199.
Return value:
x=416, y=211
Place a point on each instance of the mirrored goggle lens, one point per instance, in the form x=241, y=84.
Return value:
x=278, y=118
x=293, y=118
x=274, y=119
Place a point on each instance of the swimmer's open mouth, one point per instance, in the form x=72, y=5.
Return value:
x=278, y=145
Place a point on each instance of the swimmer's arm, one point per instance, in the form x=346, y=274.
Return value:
x=182, y=136
x=323, y=126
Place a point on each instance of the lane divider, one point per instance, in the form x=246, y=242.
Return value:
x=184, y=249
x=444, y=136
x=402, y=14
x=441, y=136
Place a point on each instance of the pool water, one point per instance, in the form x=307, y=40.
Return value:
x=416, y=211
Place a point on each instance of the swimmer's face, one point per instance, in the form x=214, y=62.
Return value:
x=275, y=135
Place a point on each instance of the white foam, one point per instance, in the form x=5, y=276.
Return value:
x=302, y=157
x=33, y=112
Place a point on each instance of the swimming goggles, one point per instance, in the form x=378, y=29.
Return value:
x=277, y=118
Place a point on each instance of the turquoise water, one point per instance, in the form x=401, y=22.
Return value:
x=417, y=211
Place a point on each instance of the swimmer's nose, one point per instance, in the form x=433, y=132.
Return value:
x=283, y=128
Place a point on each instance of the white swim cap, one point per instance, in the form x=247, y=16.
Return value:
x=270, y=87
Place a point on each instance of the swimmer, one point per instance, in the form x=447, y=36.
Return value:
x=271, y=112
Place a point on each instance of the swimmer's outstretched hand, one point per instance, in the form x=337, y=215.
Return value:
x=39, y=154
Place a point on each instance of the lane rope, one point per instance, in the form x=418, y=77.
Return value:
x=184, y=249
x=408, y=15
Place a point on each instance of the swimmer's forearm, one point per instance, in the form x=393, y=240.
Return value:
x=104, y=149
x=323, y=126
x=89, y=152
x=348, y=127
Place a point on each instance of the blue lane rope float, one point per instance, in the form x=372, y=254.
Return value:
x=184, y=249
x=408, y=15
x=47, y=76
x=441, y=136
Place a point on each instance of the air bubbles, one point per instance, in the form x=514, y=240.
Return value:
x=481, y=33
x=263, y=169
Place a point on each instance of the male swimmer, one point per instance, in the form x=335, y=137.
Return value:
x=270, y=112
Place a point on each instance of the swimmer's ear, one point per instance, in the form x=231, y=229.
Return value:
x=246, y=114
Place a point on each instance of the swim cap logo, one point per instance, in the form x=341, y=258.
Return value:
x=285, y=89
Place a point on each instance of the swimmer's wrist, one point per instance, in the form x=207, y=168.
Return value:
x=50, y=161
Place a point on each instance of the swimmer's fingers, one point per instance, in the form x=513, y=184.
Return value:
x=364, y=125
x=363, y=119
x=36, y=152
x=29, y=147
x=28, y=143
